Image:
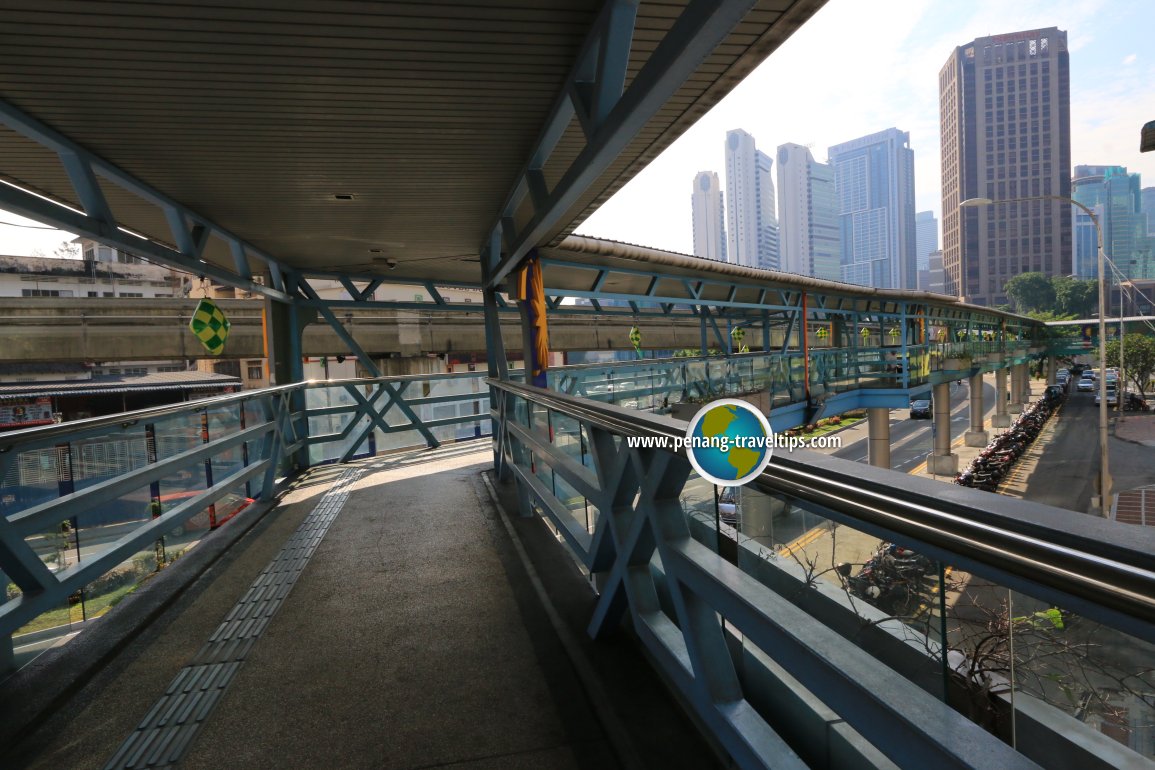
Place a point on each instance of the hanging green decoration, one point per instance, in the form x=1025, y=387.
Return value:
x=636, y=340
x=210, y=326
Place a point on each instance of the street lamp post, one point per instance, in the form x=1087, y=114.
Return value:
x=1104, y=473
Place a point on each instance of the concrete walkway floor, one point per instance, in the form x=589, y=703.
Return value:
x=412, y=638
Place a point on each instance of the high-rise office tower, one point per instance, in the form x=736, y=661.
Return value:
x=926, y=243
x=874, y=179
x=768, y=246
x=1116, y=198
x=925, y=238
x=807, y=215
x=1006, y=134
x=1088, y=188
x=751, y=224
x=1147, y=198
x=709, y=217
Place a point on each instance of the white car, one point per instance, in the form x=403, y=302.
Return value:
x=1086, y=384
x=1112, y=397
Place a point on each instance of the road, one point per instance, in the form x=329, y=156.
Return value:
x=1068, y=469
x=910, y=443
x=910, y=440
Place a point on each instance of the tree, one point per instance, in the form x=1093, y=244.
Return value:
x=67, y=250
x=1076, y=297
x=1031, y=291
x=1139, y=359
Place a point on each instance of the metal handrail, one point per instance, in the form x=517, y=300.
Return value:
x=10, y=439
x=1108, y=573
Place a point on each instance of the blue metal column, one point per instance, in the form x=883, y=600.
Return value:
x=285, y=323
x=495, y=359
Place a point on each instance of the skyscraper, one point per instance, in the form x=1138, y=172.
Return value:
x=808, y=215
x=1147, y=196
x=768, y=254
x=925, y=238
x=1006, y=134
x=709, y=217
x=1116, y=198
x=751, y=224
x=874, y=179
x=1087, y=187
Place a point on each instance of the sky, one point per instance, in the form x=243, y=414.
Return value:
x=857, y=68
x=860, y=67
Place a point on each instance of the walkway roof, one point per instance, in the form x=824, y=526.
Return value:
x=261, y=116
x=631, y=270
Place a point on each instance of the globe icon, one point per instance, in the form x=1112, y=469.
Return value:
x=728, y=442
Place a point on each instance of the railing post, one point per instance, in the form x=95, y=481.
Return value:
x=244, y=447
x=208, y=468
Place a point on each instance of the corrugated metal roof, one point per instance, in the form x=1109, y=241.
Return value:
x=255, y=113
x=121, y=384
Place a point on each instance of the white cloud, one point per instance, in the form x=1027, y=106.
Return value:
x=1130, y=59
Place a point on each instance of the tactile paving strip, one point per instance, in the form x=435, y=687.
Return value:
x=166, y=731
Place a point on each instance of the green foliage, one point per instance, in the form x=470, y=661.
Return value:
x=695, y=352
x=1075, y=297
x=1138, y=359
x=1031, y=291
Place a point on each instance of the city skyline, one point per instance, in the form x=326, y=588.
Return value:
x=892, y=80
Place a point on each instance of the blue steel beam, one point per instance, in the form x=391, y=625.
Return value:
x=97, y=220
x=699, y=29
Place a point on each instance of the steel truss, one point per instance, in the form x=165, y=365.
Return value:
x=189, y=232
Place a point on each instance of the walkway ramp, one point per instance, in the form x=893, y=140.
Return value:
x=379, y=617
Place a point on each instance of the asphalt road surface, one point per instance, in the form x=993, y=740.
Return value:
x=910, y=440
x=1067, y=472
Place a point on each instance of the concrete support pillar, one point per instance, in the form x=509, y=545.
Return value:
x=1016, y=404
x=1026, y=398
x=941, y=461
x=878, y=427
x=1001, y=419
x=1052, y=369
x=977, y=435
x=758, y=513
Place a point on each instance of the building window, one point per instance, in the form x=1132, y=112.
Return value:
x=131, y=294
x=45, y=293
x=256, y=371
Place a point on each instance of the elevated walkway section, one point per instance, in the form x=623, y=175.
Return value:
x=381, y=616
x=75, y=329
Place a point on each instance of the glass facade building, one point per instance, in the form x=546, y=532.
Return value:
x=874, y=179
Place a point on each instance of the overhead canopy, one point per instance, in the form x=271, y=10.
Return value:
x=583, y=266
x=331, y=133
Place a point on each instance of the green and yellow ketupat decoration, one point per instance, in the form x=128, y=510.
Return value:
x=210, y=326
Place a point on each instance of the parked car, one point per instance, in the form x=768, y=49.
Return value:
x=1086, y=384
x=920, y=408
